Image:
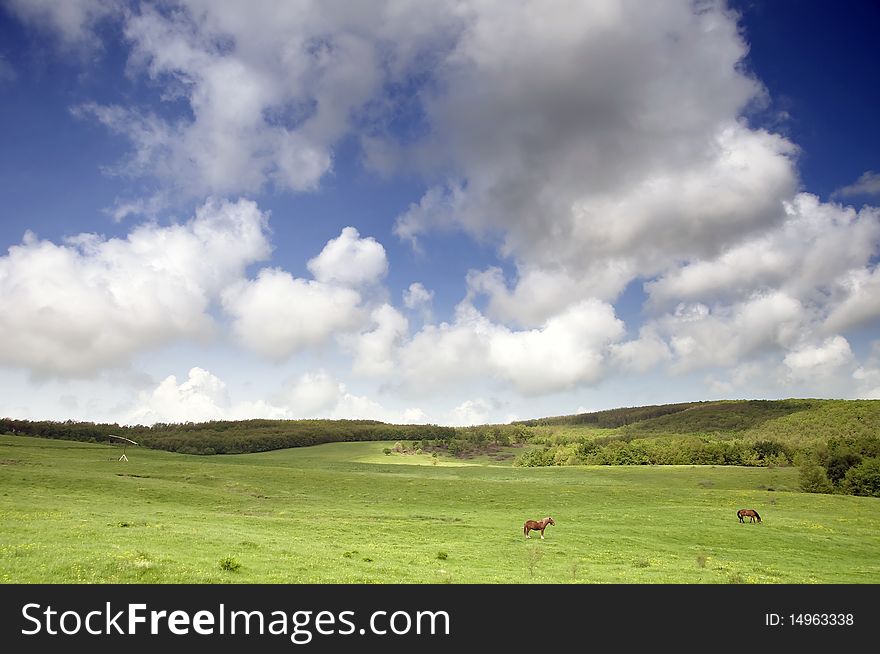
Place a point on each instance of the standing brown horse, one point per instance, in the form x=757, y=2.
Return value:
x=751, y=514
x=537, y=525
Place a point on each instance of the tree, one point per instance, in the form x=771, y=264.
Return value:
x=839, y=464
x=813, y=479
x=863, y=479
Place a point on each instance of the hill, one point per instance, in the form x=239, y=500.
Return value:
x=834, y=442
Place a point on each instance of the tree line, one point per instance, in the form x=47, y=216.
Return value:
x=229, y=436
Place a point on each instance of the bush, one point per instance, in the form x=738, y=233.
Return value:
x=839, y=464
x=863, y=479
x=813, y=479
x=230, y=564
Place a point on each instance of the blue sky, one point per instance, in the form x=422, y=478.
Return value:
x=434, y=213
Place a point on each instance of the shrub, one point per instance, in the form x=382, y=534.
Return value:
x=863, y=479
x=839, y=464
x=813, y=479
x=230, y=564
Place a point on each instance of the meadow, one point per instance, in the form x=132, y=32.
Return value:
x=70, y=512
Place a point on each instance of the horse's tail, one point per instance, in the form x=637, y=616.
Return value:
x=526, y=529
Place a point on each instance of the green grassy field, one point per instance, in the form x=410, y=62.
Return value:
x=348, y=513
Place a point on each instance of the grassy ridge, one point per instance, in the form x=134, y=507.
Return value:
x=753, y=432
x=795, y=421
x=346, y=512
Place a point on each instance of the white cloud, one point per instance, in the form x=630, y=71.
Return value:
x=202, y=397
x=867, y=184
x=350, y=260
x=540, y=293
x=361, y=407
x=586, y=175
x=858, y=299
x=470, y=412
x=319, y=395
x=641, y=354
x=811, y=276
x=726, y=334
x=418, y=298
x=271, y=88
x=313, y=394
x=447, y=353
x=276, y=314
x=92, y=302
x=566, y=351
x=817, y=245
x=73, y=21
x=867, y=375
x=809, y=362
x=582, y=166
x=375, y=349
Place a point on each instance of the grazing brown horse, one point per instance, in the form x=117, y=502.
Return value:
x=751, y=514
x=537, y=525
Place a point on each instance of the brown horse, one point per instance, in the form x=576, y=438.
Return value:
x=537, y=525
x=751, y=514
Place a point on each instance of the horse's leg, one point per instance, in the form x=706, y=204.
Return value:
x=542, y=534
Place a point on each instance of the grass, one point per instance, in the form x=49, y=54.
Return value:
x=347, y=513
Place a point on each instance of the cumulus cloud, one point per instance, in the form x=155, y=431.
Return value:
x=701, y=336
x=805, y=280
x=417, y=297
x=540, y=293
x=858, y=299
x=202, y=397
x=319, y=395
x=583, y=168
x=818, y=246
x=821, y=360
x=587, y=176
x=271, y=88
x=375, y=350
x=277, y=314
x=312, y=394
x=92, y=303
x=350, y=260
x=867, y=376
x=867, y=184
x=640, y=354
x=470, y=412
x=568, y=350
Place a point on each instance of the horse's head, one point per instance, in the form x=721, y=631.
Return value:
x=551, y=521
